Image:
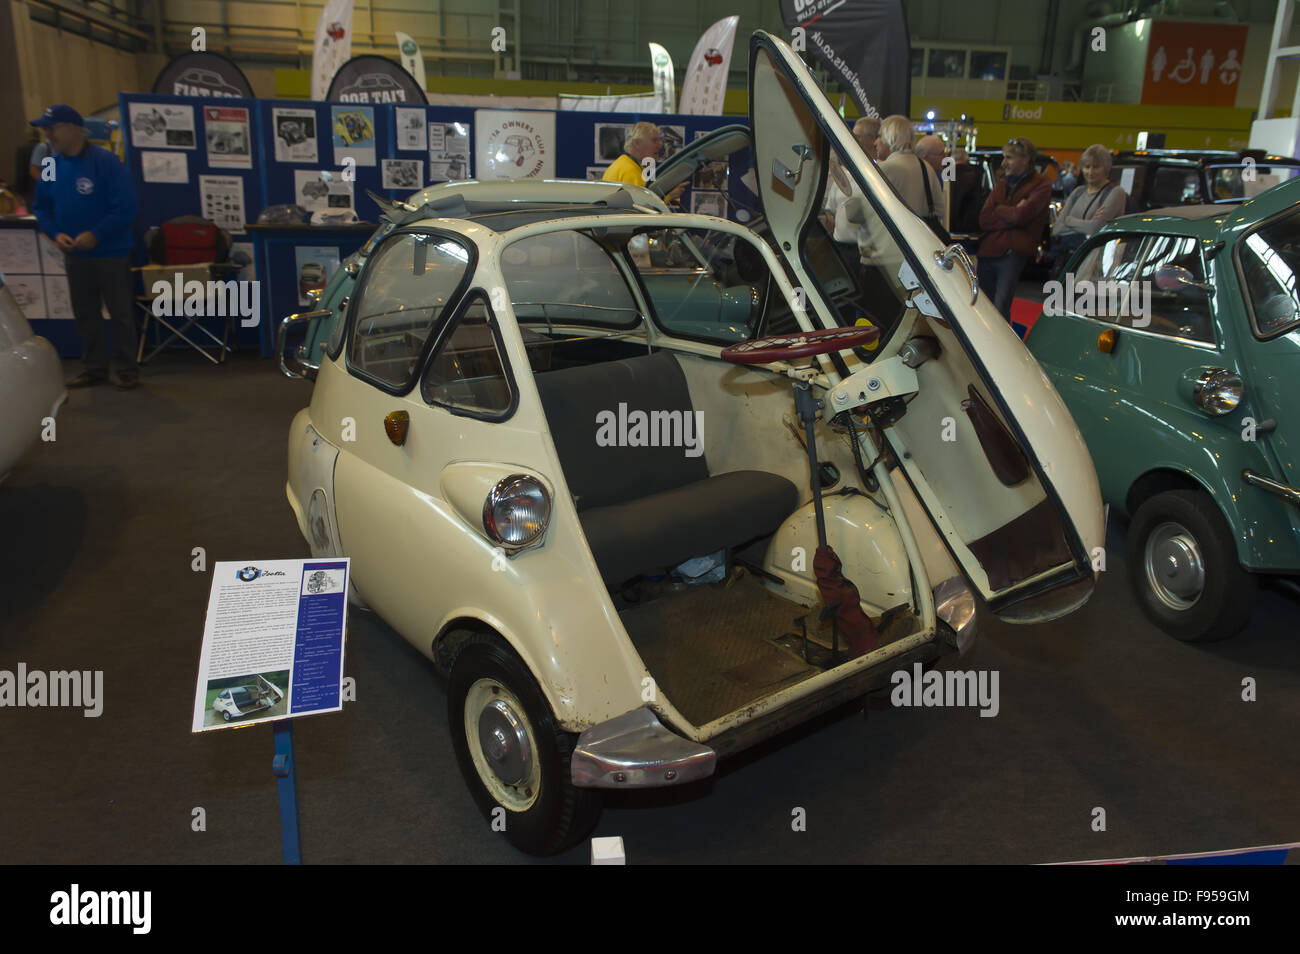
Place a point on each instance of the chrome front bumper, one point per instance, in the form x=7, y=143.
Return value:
x=634, y=750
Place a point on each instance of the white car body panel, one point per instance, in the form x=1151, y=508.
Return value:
x=31, y=383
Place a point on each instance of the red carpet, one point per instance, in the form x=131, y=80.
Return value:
x=1023, y=315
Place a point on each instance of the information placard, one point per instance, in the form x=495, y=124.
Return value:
x=272, y=642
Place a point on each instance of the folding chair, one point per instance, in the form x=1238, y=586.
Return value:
x=197, y=250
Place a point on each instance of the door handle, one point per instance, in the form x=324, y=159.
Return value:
x=955, y=252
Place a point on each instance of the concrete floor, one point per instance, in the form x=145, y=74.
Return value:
x=1097, y=710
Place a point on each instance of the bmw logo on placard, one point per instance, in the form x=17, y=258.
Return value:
x=248, y=574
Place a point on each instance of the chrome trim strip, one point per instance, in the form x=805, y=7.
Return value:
x=306, y=370
x=1289, y=494
x=634, y=750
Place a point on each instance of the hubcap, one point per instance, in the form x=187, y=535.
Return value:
x=502, y=744
x=1175, y=567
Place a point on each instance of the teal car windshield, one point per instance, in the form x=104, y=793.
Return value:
x=1269, y=259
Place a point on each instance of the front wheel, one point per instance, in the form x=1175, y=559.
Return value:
x=512, y=754
x=1182, y=564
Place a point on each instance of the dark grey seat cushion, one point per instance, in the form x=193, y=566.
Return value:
x=703, y=517
x=647, y=507
x=574, y=397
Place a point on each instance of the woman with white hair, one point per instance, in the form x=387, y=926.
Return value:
x=1089, y=206
x=915, y=180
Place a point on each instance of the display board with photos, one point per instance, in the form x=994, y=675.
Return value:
x=229, y=159
x=35, y=275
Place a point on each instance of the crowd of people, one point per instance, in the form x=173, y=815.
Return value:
x=1013, y=218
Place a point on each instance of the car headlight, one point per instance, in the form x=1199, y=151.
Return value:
x=517, y=511
x=1217, y=391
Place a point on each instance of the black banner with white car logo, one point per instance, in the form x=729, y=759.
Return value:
x=203, y=74
x=374, y=79
x=864, y=44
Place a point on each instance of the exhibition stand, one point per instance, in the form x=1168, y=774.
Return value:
x=229, y=159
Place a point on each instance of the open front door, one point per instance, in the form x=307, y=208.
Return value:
x=977, y=429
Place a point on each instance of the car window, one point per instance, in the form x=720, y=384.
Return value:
x=411, y=280
x=1103, y=278
x=860, y=279
x=1181, y=311
x=1245, y=181
x=702, y=283
x=1131, y=179
x=1174, y=186
x=468, y=371
x=1269, y=259
x=566, y=278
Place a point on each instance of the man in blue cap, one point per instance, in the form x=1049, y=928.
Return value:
x=88, y=206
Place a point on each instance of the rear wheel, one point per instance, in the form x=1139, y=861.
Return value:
x=1182, y=564
x=512, y=753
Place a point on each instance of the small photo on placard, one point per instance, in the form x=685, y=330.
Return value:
x=18, y=251
x=161, y=126
x=58, y=300
x=53, y=260
x=609, y=140
x=165, y=167
x=402, y=173
x=29, y=293
x=295, y=135
x=354, y=134
x=673, y=137
x=411, y=125
x=708, y=203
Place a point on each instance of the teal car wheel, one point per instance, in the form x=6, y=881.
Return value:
x=1182, y=563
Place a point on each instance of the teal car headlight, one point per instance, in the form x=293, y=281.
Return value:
x=1217, y=391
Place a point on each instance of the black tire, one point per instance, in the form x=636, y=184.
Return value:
x=225, y=715
x=1227, y=595
x=560, y=815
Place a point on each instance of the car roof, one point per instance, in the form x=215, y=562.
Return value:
x=505, y=204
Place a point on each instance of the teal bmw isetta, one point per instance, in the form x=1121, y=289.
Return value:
x=1184, y=385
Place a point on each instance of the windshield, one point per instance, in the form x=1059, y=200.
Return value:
x=1269, y=258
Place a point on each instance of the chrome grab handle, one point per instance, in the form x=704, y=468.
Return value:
x=956, y=252
x=303, y=367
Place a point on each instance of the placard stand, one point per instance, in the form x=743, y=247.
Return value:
x=283, y=768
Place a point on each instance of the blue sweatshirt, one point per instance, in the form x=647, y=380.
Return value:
x=91, y=192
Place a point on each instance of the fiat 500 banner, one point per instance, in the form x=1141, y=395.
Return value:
x=373, y=79
x=202, y=74
x=865, y=45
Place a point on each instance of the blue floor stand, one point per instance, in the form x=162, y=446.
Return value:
x=286, y=780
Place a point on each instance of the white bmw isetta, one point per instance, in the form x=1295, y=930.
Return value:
x=650, y=487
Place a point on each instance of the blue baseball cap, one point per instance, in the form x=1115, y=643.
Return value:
x=59, y=114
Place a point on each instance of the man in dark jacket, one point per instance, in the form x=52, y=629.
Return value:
x=1013, y=218
x=88, y=209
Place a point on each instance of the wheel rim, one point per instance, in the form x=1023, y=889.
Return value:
x=502, y=745
x=1175, y=566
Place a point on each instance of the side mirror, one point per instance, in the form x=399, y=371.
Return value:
x=1178, y=279
x=297, y=366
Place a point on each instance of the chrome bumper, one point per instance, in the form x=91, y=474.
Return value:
x=634, y=750
x=954, y=603
x=1289, y=494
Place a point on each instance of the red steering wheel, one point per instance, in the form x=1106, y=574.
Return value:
x=800, y=344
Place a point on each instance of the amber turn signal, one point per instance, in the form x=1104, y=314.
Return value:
x=1106, y=341
x=396, y=424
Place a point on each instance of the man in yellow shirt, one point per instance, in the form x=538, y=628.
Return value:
x=642, y=141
